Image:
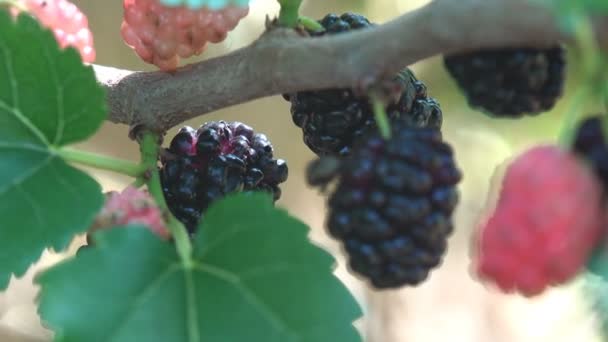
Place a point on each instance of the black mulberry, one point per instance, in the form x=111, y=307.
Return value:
x=201, y=166
x=393, y=203
x=510, y=82
x=591, y=145
x=332, y=119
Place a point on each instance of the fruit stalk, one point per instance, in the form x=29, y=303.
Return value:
x=100, y=161
x=289, y=13
x=310, y=24
x=568, y=129
x=384, y=125
x=588, y=48
x=589, y=51
x=149, y=154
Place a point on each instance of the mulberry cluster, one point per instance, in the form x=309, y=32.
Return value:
x=547, y=220
x=393, y=203
x=333, y=119
x=219, y=158
x=510, y=82
x=70, y=26
x=160, y=35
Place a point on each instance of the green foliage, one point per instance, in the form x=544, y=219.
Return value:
x=588, y=6
x=254, y=277
x=569, y=11
x=48, y=98
x=598, y=263
x=595, y=290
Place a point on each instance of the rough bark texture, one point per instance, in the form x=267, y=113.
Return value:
x=282, y=61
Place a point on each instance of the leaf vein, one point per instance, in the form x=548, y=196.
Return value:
x=14, y=109
x=248, y=295
x=8, y=64
x=25, y=121
x=142, y=297
x=67, y=185
x=194, y=334
x=59, y=93
x=25, y=146
x=265, y=270
x=221, y=238
x=26, y=174
x=35, y=209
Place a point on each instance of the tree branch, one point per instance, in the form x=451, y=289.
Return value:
x=281, y=61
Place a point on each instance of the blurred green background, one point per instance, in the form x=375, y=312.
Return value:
x=451, y=304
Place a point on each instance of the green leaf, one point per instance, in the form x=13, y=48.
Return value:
x=255, y=277
x=48, y=98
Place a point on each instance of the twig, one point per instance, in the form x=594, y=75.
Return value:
x=282, y=61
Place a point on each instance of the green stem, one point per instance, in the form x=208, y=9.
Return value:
x=382, y=121
x=138, y=182
x=606, y=97
x=310, y=24
x=568, y=128
x=100, y=161
x=289, y=13
x=149, y=153
x=604, y=80
x=589, y=50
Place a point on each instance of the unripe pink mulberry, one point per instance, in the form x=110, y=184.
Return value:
x=162, y=35
x=547, y=220
x=69, y=24
x=131, y=206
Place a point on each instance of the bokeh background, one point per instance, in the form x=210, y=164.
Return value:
x=451, y=305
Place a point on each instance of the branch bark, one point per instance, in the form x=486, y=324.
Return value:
x=281, y=61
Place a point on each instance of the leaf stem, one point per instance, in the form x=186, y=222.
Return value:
x=149, y=153
x=310, y=24
x=289, y=13
x=382, y=121
x=593, y=82
x=100, y=161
